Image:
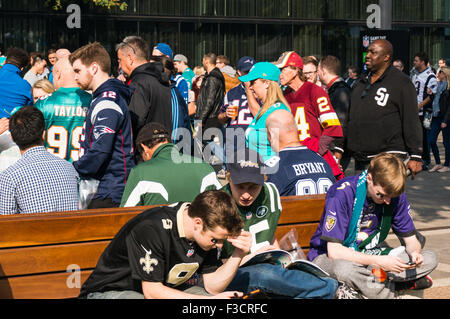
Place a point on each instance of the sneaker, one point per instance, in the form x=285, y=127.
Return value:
x=435, y=168
x=344, y=291
x=444, y=169
x=417, y=284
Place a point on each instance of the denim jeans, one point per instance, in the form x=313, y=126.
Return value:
x=446, y=140
x=281, y=282
x=433, y=136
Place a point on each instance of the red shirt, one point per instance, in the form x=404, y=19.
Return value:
x=313, y=112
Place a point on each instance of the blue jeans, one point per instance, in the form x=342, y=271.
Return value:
x=446, y=140
x=433, y=136
x=275, y=280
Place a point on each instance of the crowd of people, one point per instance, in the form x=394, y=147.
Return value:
x=75, y=136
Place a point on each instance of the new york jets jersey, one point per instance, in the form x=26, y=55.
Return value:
x=167, y=178
x=260, y=218
x=64, y=113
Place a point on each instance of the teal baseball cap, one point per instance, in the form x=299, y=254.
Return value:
x=262, y=70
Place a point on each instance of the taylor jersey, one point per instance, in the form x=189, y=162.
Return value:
x=260, y=218
x=335, y=221
x=151, y=247
x=422, y=81
x=313, y=112
x=235, y=129
x=64, y=113
x=300, y=171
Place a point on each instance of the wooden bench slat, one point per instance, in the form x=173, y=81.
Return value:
x=50, y=286
x=304, y=231
x=46, y=259
x=36, y=249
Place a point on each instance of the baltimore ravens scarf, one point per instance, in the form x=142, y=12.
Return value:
x=370, y=245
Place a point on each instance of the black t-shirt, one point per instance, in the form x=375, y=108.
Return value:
x=150, y=247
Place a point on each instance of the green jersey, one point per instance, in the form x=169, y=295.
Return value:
x=260, y=218
x=64, y=113
x=168, y=177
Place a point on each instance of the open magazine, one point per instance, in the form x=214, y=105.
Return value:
x=285, y=259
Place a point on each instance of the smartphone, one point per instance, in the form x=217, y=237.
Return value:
x=410, y=263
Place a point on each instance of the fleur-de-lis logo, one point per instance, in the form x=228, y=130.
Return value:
x=147, y=261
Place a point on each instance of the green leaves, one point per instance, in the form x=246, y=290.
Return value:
x=58, y=4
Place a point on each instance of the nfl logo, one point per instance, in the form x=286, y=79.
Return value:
x=330, y=223
x=366, y=41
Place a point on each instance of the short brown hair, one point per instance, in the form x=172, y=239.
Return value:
x=389, y=172
x=211, y=57
x=331, y=63
x=217, y=208
x=90, y=53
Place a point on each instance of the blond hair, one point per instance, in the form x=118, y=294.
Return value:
x=274, y=95
x=389, y=172
x=44, y=85
x=446, y=71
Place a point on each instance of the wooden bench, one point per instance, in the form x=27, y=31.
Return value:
x=50, y=255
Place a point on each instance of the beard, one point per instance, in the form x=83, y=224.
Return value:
x=85, y=83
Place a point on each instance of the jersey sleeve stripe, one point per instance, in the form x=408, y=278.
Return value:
x=210, y=180
x=145, y=187
x=104, y=105
x=275, y=200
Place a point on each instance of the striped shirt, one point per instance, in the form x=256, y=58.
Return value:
x=38, y=182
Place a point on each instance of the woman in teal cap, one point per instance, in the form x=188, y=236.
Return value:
x=263, y=78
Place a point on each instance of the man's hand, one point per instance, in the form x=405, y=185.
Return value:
x=415, y=167
x=4, y=125
x=393, y=264
x=242, y=243
x=228, y=295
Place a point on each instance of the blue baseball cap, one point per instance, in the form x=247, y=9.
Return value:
x=245, y=63
x=165, y=49
x=262, y=70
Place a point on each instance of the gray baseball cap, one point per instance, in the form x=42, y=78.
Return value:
x=180, y=57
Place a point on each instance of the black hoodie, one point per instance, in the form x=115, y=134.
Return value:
x=151, y=101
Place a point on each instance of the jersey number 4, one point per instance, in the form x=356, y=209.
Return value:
x=58, y=142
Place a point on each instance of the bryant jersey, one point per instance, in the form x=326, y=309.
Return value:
x=150, y=247
x=235, y=129
x=335, y=221
x=260, y=218
x=313, y=112
x=423, y=81
x=301, y=172
x=64, y=113
x=169, y=177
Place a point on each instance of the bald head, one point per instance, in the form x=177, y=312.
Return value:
x=63, y=74
x=387, y=48
x=62, y=53
x=282, y=130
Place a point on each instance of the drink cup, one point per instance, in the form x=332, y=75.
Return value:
x=233, y=111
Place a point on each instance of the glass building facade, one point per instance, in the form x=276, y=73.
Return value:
x=259, y=28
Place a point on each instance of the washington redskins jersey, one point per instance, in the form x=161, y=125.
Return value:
x=313, y=112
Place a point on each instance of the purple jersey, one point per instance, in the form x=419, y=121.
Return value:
x=337, y=213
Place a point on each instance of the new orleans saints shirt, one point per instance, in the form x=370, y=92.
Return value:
x=260, y=218
x=150, y=247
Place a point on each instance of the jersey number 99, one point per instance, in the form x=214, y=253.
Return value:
x=58, y=142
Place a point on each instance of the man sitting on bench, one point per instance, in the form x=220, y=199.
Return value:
x=358, y=215
x=157, y=252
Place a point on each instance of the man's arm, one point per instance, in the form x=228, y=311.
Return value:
x=156, y=290
x=217, y=281
x=388, y=263
x=414, y=249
